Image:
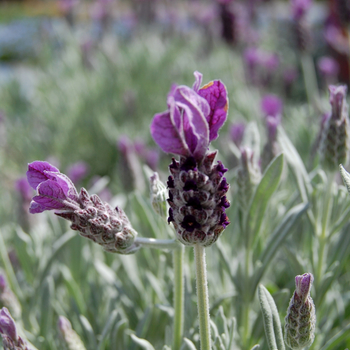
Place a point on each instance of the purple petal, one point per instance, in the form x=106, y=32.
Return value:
x=65, y=183
x=50, y=195
x=167, y=134
x=36, y=208
x=36, y=172
x=198, y=81
x=216, y=95
x=303, y=284
x=196, y=127
x=7, y=325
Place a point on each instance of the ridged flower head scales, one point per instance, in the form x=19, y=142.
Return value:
x=93, y=218
x=196, y=186
x=299, y=330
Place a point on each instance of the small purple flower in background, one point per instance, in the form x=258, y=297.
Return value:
x=300, y=8
x=11, y=339
x=334, y=142
x=77, y=171
x=90, y=216
x=271, y=105
x=328, y=68
x=24, y=189
x=237, y=133
x=289, y=76
x=197, y=188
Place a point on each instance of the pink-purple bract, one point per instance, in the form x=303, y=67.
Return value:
x=193, y=118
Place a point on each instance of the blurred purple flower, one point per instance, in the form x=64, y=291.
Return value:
x=8, y=325
x=300, y=8
x=272, y=123
x=54, y=190
x=24, y=189
x=337, y=99
x=290, y=75
x=271, y=105
x=77, y=171
x=193, y=118
x=328, y=67
x=237, y=133
x=270, y=61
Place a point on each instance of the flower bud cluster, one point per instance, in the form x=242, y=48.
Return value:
x=102, y=224
x=335, y=137
x=197, y=200
x=301, y=318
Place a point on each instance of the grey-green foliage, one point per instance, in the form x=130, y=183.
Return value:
x=272, y=323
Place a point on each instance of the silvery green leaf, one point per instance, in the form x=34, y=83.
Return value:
x=251, y=139
x=272, y=323
x=346, y=177
x=338, y=338
x=89, y=332
x=109, y=324
x=255, y=347
x=142, y=342
x=188, y=345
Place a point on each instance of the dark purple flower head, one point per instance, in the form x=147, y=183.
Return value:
x=77, y=171
x=271, y=105
x=8, y=325
x=300, y=8
x=193, y=118
x=328, y=66
x=54, y=190
x=337, y=99
x=237, y=133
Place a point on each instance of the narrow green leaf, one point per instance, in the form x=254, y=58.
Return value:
x=262, y=195
x=10, y=274
x=255, y=347
x=332, y=343
x=142, y=342
x=89, y=332
x=272, y=323
x=109, y=324
x=46, y=311
x=276, y=239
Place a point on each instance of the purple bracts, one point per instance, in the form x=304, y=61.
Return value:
x=196, y=186
x=192, y=120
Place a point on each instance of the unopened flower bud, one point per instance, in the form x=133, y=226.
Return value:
x=8, y=330
x=299, y=329
x=248, y=176
x=159, y=196
x=70, y=338
x=335, y=142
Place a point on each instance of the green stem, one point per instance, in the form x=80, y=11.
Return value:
x=178, y=256
x=165, y=244
x=246, y=304
x=327, y=204
x=310, y=80
x=202, y=297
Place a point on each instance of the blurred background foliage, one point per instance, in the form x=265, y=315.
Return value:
x=80, y=82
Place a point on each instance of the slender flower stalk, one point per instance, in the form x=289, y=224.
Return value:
x=178, y=260
x=203, y=297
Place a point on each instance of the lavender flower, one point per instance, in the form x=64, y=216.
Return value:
x=70, y=338
x=90, y=216
x=11, y=339
x=301, y=318
x=328, y=68
x=334, y=141
x=77, y=171
x=237, y=133
x=197, y=188
x=300, y=28
x=300, y=8
x=271, y=105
